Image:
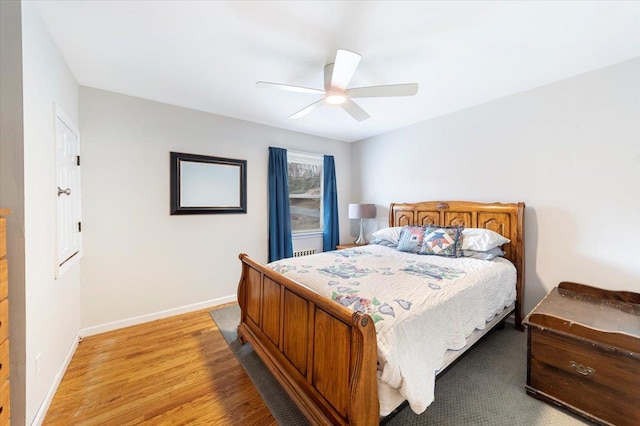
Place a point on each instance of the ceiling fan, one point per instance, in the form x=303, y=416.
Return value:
x=336, y=78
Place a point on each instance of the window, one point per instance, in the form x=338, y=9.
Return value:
x=305, y=192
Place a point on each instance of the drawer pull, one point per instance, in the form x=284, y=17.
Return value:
x=581, y=369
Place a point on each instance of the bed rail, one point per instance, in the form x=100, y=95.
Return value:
x=302, y=337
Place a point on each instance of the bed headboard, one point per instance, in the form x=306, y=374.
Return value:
x=507, y=219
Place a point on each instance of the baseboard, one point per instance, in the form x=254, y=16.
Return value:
x=44, y=407
x=103, y=328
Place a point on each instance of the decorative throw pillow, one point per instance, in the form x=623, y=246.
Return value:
x=386, y=236
x=442, y=241
x=480, y=239
x=411, y=239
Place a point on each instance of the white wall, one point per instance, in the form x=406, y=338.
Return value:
x=52, y=306
x=138, y=259
x=569, y=150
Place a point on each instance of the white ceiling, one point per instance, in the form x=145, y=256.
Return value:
x=208, y=55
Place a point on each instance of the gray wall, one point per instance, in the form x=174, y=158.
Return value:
x=44, y=311
x=12, y=192
x=139, y=260
x=52, y=305
x=569, y=150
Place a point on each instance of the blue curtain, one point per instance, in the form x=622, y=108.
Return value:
x=331, y=232
x=280, y=244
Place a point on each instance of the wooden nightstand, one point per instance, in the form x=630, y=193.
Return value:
x=584, y=352
x=345, y=246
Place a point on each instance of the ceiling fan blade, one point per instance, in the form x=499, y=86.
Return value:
x=328, y=72
x=408, y=89
x=306, y=110
x=289, y=88
x=354, y=110
x=343, y=68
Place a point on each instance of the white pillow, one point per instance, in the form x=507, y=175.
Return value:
x=484, y=255
x=480, y=239
x=386, y=236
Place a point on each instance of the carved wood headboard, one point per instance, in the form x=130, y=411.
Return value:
x=507, y=219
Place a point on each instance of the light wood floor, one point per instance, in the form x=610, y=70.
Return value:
x=174, y=371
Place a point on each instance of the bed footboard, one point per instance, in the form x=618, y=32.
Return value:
x=303, y=338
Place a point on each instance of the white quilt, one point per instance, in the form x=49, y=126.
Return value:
x=422, y=306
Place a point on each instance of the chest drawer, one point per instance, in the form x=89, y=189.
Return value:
x=4, y=403
x=4, y=360
x=594, y=378
x=4, y=279
x=4, y=319
x=3, y=237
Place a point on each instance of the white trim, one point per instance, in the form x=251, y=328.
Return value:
x=306, y=196
x=46, y=403
x=305, y=158
x=110, y=326
x=301, y=235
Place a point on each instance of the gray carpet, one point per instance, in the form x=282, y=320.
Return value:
x=486, y=387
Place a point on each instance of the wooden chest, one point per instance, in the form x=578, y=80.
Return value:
x=5, y=406
x=584, y=352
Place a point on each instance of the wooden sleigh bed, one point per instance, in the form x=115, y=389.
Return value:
x=323, y=353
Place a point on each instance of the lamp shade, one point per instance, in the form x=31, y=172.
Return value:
x=362, y=211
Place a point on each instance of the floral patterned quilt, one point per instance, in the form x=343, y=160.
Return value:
x=422, y=306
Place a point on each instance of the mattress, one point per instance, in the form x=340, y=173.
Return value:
x=422, y=307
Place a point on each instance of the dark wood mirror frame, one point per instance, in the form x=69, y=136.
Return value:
x=202, y=184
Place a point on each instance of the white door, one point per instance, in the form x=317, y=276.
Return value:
x=67, y=191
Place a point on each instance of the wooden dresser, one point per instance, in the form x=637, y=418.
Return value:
x=584, y=352
x=4, y=323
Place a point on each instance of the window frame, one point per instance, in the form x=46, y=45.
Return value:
x=316, y=160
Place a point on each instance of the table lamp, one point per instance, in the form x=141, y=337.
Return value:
x=362, y=212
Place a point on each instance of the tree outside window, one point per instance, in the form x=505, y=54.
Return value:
x=305, y=192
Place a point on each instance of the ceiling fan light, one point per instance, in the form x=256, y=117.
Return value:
x=335, y=99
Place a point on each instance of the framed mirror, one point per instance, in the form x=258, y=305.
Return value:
x=207, y=185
